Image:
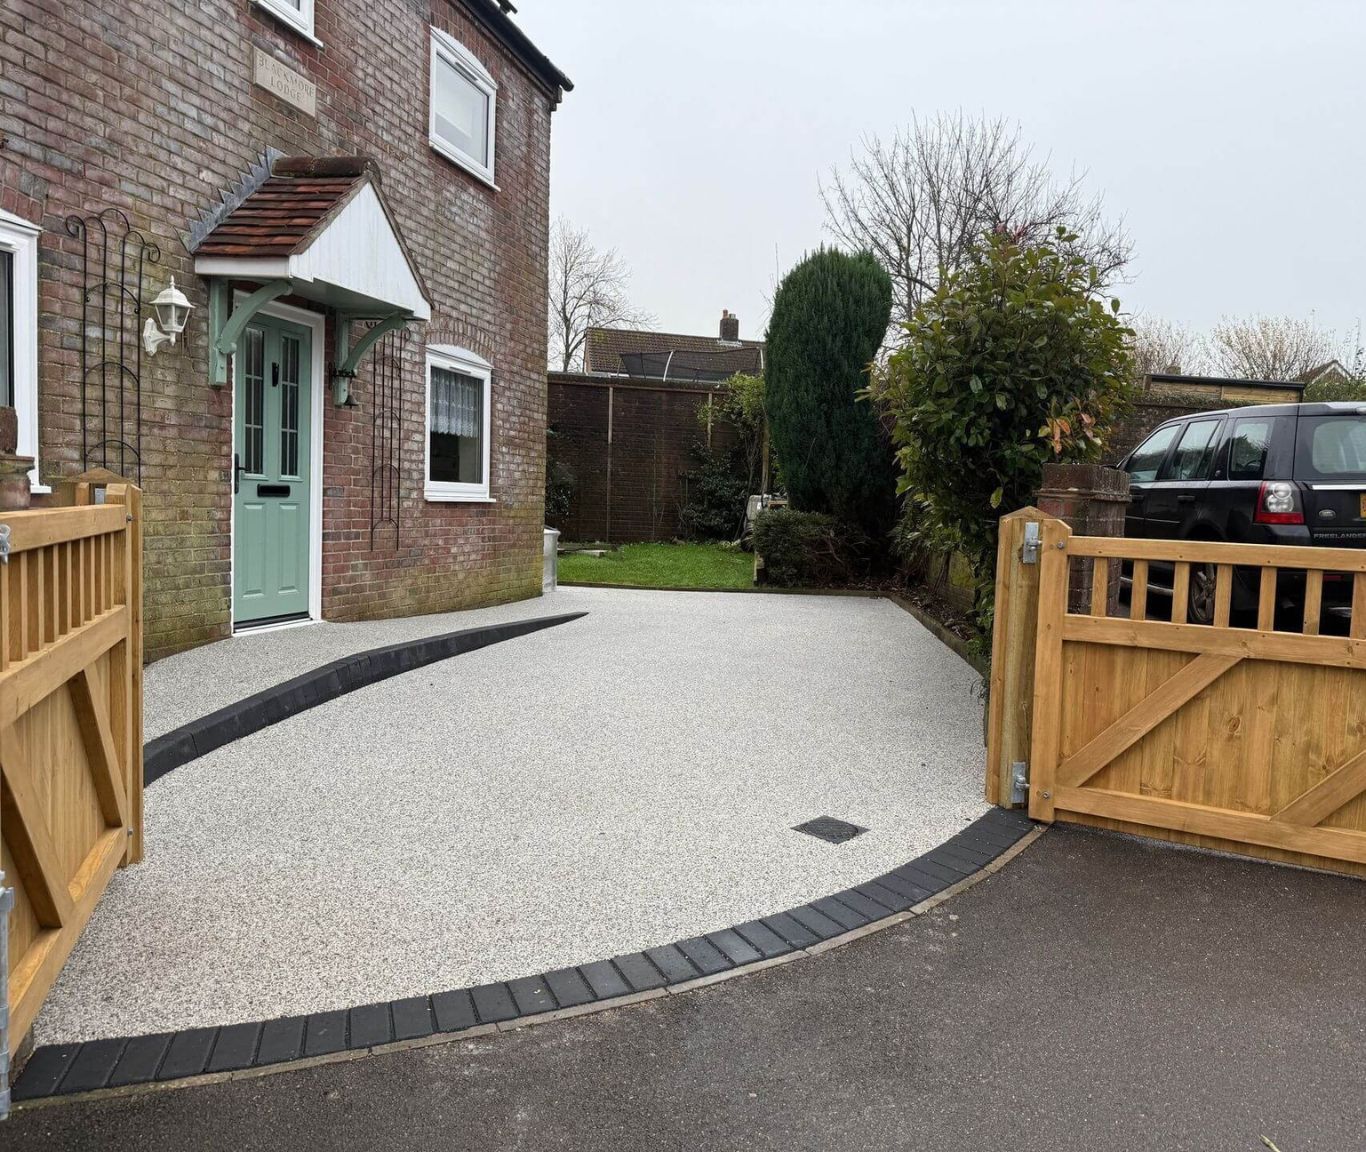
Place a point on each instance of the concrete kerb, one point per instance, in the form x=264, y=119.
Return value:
x=487, y=1029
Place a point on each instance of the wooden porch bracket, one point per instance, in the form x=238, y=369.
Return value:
x=348, y=358
x=227, y=323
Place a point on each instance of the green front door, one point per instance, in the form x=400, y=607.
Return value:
x=271, y=472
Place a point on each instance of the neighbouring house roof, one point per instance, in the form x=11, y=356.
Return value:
x=1331, y=370
x=320, y=222
x=668, y=355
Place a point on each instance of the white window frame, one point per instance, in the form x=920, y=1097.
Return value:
x=298, y=19
x=20, y=238
x=467, y=363
x=446, y=48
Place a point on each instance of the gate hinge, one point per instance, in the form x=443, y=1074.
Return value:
x=4, y=543
x=1029, y=552
x=1019, y=782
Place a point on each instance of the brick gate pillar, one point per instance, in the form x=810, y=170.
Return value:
x=14, y=469
x=1091, y=499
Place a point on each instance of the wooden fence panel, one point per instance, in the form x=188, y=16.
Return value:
x=1232, y=735
x=70, y=725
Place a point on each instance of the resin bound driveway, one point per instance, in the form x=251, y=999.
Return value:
x=1096, y=994
x=621, y=781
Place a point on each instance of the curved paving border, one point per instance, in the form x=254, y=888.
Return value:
x=318, y=686
x=69, y=1069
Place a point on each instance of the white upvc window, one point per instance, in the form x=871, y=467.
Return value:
x=459, y=403
x=296, y=14
x=463, y=102
x=19, y=331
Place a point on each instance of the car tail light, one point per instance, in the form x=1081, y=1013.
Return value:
x=1278, y=502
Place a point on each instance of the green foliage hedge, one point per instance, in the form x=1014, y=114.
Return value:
x=830, y=315
x=717, y=491
x=809, y=549
x=1015, y=361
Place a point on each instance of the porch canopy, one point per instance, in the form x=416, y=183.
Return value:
x=316, y=228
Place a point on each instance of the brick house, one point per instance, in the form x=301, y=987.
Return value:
x=353, y=197
x=626, y=432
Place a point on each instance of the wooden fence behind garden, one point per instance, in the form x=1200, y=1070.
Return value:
x=1235, y=736
x=70, y=724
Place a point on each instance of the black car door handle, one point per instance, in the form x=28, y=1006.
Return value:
x=1186, y=499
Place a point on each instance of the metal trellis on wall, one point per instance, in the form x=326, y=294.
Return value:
x=386, y=432
x=113, y=257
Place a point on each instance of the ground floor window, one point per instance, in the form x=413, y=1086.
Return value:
x=458, y=406
x=19, y=328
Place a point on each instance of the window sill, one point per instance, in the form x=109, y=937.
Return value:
x=287, y=21
x=483, y=175
x=455, y=498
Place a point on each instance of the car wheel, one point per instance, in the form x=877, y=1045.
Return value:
x=1202, y=588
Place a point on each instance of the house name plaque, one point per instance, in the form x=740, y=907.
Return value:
x=290, y=86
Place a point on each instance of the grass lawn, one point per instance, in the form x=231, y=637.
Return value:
x=662, y=566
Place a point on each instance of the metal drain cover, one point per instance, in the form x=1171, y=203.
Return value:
x=829, y=829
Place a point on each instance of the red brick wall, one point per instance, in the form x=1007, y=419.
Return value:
x=150, y=108
x=654, y=431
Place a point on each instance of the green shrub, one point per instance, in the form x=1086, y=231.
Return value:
x=717, y=491
x=559, y=489
x=1323, y=391
x=830, y=315
x=809, y=549
x=1014, y=361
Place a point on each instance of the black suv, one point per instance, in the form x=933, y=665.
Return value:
x=1269, y=474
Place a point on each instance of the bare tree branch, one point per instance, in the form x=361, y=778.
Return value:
x=587, y=289
x=921, y=201
x=1272, y=347
x=1161, y=346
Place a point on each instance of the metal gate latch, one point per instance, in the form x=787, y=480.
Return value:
x=4, y=543
x=1029, y=552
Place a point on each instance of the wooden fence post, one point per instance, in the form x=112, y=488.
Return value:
x=1010, y=699
x=131, y=496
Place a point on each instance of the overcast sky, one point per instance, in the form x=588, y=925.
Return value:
x=1229, y=134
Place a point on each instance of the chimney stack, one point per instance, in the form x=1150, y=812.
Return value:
x=730, y=327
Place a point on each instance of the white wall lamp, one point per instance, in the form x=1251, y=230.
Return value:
x=172, y=309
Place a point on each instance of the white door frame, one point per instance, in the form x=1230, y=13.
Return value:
x=316, y=323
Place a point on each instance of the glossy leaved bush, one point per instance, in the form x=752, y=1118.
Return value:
x=1017, y=360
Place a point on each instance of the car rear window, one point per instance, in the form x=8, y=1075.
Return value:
x=1248, y=448
x=1331, y=447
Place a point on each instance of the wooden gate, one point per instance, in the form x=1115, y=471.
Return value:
x=70, y=725
x=1234, y=736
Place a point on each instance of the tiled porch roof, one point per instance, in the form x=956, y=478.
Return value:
x=321, y=223
x=282, y=216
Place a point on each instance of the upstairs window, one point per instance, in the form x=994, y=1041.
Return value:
x=463, y=101
x=458, y=404
x=297, y=14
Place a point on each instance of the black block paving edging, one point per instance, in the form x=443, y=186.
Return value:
x=66, y=1069
x=318, y=686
